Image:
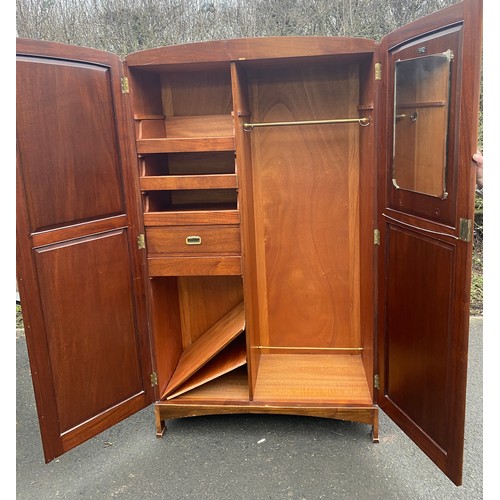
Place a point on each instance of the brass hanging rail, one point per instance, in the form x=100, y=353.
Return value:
x=364, y=122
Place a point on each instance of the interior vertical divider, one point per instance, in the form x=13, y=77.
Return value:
x=245, y=182
x=368, y=92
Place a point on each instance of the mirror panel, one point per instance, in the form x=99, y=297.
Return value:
x=421, y=103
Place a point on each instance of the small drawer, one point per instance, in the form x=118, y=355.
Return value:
x=194, y=240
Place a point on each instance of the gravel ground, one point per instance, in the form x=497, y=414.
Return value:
x=243, y=457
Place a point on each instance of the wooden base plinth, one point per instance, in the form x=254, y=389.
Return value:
x=168, y=410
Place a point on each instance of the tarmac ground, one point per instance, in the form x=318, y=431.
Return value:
x=245, y=457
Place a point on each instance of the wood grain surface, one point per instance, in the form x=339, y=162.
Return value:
x=301, y=378
x=307, y=214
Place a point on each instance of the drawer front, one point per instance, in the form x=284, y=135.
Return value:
x=194, y=240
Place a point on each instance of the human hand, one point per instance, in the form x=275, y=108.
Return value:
x=478, y=158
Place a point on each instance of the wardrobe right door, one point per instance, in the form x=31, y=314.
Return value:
x=429, y=97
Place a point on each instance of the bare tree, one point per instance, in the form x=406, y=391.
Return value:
x=125, y=26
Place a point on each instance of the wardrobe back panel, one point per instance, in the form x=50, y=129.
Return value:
x=306, y=196
x=204, y=300
x=197, y=93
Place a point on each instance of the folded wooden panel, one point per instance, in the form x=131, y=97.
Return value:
x=207, y=346
x=232, y=357
x=231, y=388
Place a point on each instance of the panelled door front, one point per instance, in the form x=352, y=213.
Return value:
x=78, y=263
x=425, y=217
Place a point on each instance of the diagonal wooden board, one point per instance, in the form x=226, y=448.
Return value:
x=207, y=346
x=232, y=357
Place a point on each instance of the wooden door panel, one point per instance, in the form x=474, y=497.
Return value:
x=419, y=277
x=89, y=325
x=79, y=179
x=425, y=257
x=79, y=268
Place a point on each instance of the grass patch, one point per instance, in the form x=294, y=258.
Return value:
x=476, y=291
x=19, y=317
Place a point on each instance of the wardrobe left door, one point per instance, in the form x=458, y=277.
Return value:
x=79, y=268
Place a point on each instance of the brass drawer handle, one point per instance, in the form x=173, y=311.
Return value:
x=193, y=240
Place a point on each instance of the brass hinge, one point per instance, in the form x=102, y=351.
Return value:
x=378, y=71
x=376, y=236
x=141, y=241
x=376, y=382
x=465, y=230
x=154, y=379
x=125, y=85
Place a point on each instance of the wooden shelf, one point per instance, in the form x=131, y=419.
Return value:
x=171, y=182
x=200, y=217
x=232, y=357
x=312, y=378
x=189, y=133
x=220, y=265
x=207, y=346
x=185, y=145
x=180, y=164
x=186, y=200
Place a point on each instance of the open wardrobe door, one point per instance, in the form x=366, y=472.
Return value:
x=430, y=94
x=79, y=266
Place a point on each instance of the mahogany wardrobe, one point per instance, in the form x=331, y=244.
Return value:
x=268, y=225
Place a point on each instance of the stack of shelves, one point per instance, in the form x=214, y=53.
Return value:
x=188, y=179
